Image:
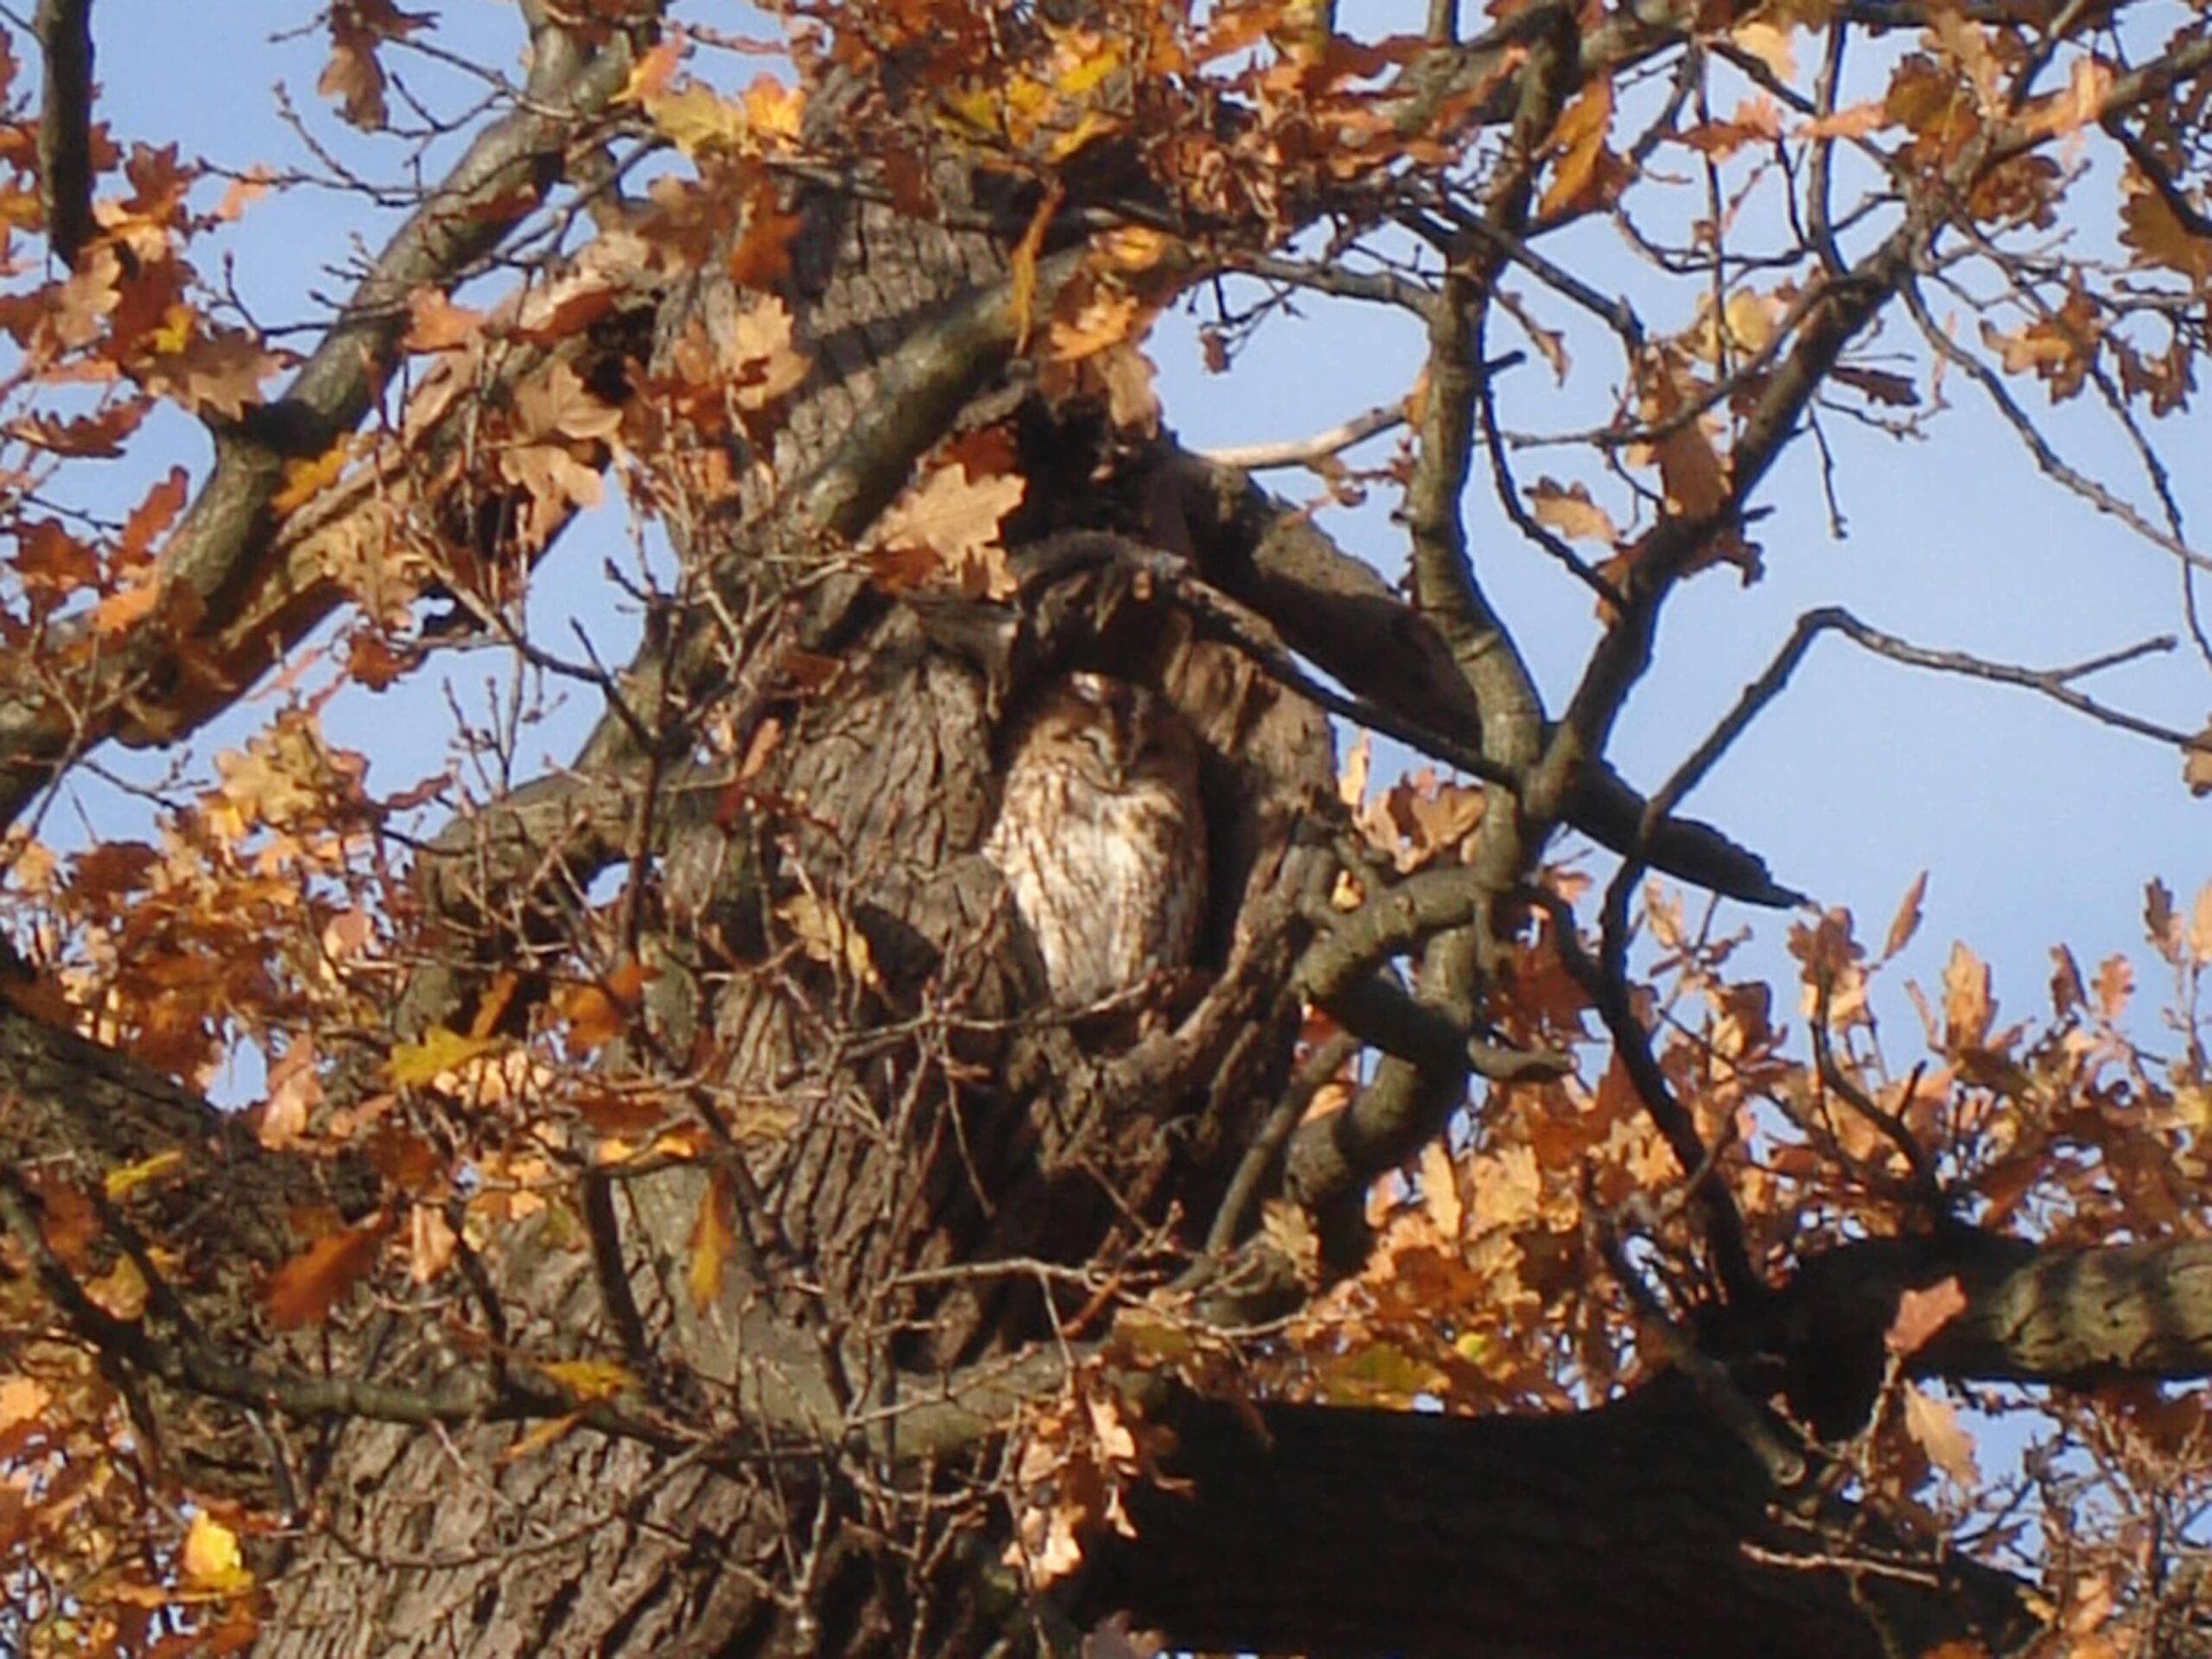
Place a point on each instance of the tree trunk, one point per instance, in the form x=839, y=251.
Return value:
x=871, y=1180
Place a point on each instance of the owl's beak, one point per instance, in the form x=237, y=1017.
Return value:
x=1111, y=762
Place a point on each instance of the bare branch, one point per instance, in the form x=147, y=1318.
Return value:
x=1303, y=452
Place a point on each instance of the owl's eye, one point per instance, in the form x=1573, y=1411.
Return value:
x=1102, y=743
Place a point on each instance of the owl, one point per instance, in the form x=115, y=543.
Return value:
x=1101, y=836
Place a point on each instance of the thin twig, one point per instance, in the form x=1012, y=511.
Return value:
x=1303, y=452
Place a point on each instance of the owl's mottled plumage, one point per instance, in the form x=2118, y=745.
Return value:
x=1101, y=836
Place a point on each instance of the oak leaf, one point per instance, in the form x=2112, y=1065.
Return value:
x=302, y=1290
x=1569, y=509
x=951, y=517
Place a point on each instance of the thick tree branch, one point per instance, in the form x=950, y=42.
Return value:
x=65, y=124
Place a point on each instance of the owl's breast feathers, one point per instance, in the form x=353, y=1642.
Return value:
x=1100, y=836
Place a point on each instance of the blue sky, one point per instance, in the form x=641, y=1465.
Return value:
x=2039, y=827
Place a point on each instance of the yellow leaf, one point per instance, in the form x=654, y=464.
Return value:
x=590, y=1379
x=828, y=938
x=599, y=1013
x=120, y=1292
x=1583, y=172
x=1134, y=247
x=712, y=1243
x=542, y=1435
x=773, y=110
x=1382, y=1370
x=120, y=1183
x=1021, y=267
x=212, y=1559
x=1105, y=319
x=694, y=119
x=441, y=1050
x=1092, y=125
x=1753, y=319
x=304, y=479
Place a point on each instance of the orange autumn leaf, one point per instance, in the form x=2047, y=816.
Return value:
x=600, y=1011
x=304, y=1290
x=712, y=1245
x=1584, y=173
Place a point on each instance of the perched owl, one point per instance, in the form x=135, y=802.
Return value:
x=1100, y=836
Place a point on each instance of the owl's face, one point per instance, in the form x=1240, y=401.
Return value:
x=1114, y=735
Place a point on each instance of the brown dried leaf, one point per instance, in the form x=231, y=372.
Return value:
x=599, y=1011
x=2160, y=921
x=2200, y=927
x=1922, y=1314
x=953, y=518
x=1934, y=1426
x=304, y=1290
x=2066, y=992
x=1569, y=509
x=1584, y=173
x=1968, y=1006
x=2115, y=982
x=2197, y=764
x=1906, y=922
